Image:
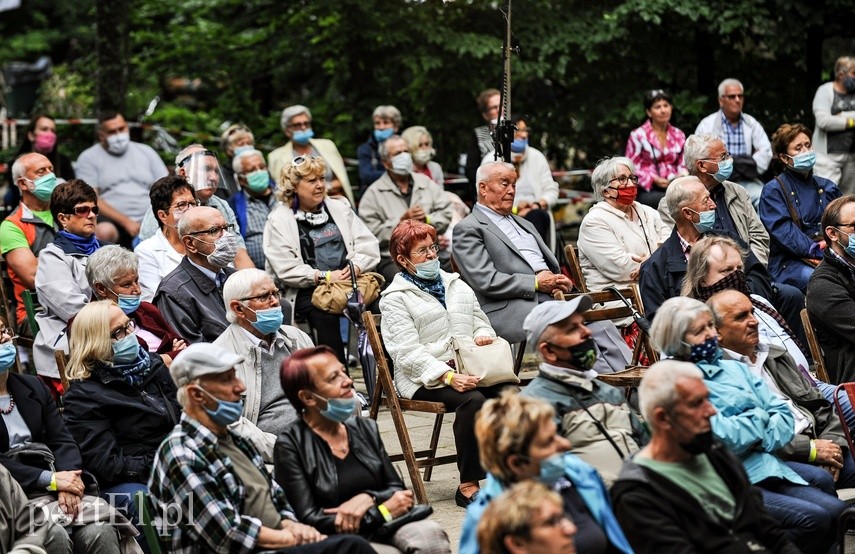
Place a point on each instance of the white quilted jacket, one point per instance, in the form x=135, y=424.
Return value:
x=417, y=330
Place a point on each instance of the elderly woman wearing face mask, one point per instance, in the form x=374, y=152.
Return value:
x=236, y=138
x=791, y=207
x=421, y=147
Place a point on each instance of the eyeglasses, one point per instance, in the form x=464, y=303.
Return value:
x=424, y=250
x=83, y=211
x=301, y=125
x=623, y=180
x=123, y=331
x=183, y=206
x=215, y=232
x=264, y=296
x=846, y=225
x=300, y=159
x=720, y=159
x=556, y=520
x=733, y=96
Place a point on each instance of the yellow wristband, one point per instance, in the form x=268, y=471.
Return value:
x=850, y=123
x=327, y=276
x=384, y=511
x=812, y=456
x=52, y=486
x=536, y=284
x=449, y=377
x=427, y=219
x=515, y=210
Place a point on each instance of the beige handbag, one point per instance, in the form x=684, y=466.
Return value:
x=493, y=363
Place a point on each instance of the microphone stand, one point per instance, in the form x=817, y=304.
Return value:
x=642, y=322
x=503, y=134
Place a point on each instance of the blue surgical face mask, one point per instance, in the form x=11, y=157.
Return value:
x=240, y=149
x=43, y=186
x=303, y=136
x=803, y=162
x=850, y=245
x=258, y=181
x=380, y=135
x=8, y=352
x=226, y=412
x=128, y=303
x=552, y=469
x=428, y=270
x=338, y=409
x=267, y=321
x=125, y=350
x=707, y=352
x=706, y=221
x=518, y=145
x=725, y=168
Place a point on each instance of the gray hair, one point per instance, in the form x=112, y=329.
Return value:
x=388, y=112
x=485, y=170
x=181, y=393
x=729, y=82
x=697, y=148
x=719, y=300
x=414, y=134
x=107, y=262
x=237, y=162
x=233, y=132
x=672, y=322
x=290, y=112
x=383, y=148
x=698, y=264
x=239, y=285
x=678, y=195
x=658, y=388
x=20, y=167
x=187, y=150
x=189, y=220
x=605, y=171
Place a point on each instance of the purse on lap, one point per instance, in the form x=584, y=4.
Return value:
x=493, y=363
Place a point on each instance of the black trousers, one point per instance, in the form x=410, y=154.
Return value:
x=326, y=325
x=466, y=406
x=335, y=544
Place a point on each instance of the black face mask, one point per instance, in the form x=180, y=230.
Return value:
x=700, y=444
x=582, y=356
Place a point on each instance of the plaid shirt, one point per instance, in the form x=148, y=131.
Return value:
x=257, y=210
x=195, y=485
x=734, y=136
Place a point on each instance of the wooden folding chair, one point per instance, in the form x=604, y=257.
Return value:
x=415, y=460
x=575, y=268
x=61, y=362
x=30, y=303
x=815, y=349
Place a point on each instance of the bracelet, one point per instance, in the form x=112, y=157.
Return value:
x=449, y=377
x=384, y=511
x=52, y=486
x=812, y=456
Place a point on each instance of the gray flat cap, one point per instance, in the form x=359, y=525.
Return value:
x=200, y=359
x=552, y=311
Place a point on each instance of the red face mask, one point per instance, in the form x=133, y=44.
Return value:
x=626, y=196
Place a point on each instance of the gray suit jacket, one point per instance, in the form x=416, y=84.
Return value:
x=495, y=269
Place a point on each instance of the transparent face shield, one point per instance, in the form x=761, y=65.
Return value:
x=202, y=171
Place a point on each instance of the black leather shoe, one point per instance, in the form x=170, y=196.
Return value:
x=462, y=500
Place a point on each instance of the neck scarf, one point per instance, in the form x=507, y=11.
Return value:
x=434, y=288
x=736, y=280
x=83, y=245
x=133, y=373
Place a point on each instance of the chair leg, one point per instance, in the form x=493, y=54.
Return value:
x=376, y=400
x=434, y=443
x=519, y=357
x=410, y=458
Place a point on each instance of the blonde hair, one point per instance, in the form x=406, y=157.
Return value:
x=511, y=514
x=286, y=181
x=89, y=341
x=508, y=425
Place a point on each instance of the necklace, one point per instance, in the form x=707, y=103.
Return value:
x=7, y=411
x=336, y=442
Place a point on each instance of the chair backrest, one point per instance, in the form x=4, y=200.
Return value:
x=813, y=344
x=632, y=294
x=30, y=302
x=575, y=268
x=61, y=362
x=385, y=380
x=149, y=527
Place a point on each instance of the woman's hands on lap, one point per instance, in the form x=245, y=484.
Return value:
x=483, y=341
x=400, y=503
x=348, y=515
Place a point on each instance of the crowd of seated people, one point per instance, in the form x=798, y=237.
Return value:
x=206, y=356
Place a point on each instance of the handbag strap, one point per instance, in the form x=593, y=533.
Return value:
x=794, y=215
x=352, y=275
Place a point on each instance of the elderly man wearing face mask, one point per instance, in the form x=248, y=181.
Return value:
x=191, y=297
x=254, y=201
x=398, y=195
x=121, y=172
x=199, y=166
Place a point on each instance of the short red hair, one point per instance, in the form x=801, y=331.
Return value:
x=405, y=235
x=294, y=375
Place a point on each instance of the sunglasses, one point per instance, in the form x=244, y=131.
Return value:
x=299, y=160
x=83, y=211
x=651, y=95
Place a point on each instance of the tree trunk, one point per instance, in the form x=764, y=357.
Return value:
x=112, y=54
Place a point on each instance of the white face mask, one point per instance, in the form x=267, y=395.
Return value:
x=402, y=164
x=118, y=144
x=423, y=155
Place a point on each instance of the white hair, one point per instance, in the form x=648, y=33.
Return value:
x=290, y=112
x=678, y=195
x=672, y=322
x=605, y=171
x=107, y=262
x=729, y=82
x=237, y=161
x=239, y=285
x=697, y=148
x=391, y=113
x=485, y=170
x=187, y=150
x=658, y=388
x=383, y=149
x=19, y=167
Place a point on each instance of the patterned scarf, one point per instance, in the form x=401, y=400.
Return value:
x=736, y=281
x=434, y=288
x=135, y=372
